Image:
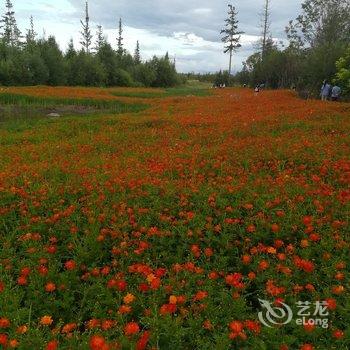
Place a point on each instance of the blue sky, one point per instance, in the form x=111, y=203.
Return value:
x=188, y=29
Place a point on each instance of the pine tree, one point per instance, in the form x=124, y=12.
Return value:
x=120, y=50
x=232, y=35
x=70, y=53
x=86, y=33
x=100, y=38
x=31, y=34
x=137, y=55
x=11, y=34
x=266, y=39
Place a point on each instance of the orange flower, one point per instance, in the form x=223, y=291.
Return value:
x=22, y=280
x=307, y=347
x=131, y=328
x=338, y=289
x=69, y=327
x=235, y=280
x=13, y=343
x=93, y=323
x=263, y=265
x=275, y=228
x=251, y=229
x=246, y=259
x=236, y=326
x=97, y=342
x=70, y=265
x=129, y=298
x=4, y=323
x=46, y=321
x=124, y=309
x=208, y=325
x=150, y=278
x=271, y=250
x=167, y=309
x=50, y=287
x=142, y=342
x=52, y=345
x=331, y=303
x=309, y=327
x=338, y=334
x=252, y=326
x=200, y=295
x=22, y=329
x=172, y=299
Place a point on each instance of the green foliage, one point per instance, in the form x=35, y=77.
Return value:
x=165, y=72
x=231, y=35
x=343, y=71
x=222, y=78
x=111, y=105
x=123, y=78
x=41, y=62
x=53, y=58
x=317, y=40
x=85, y=70
x=145, y=74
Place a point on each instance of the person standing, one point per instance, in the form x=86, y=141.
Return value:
x=325, y=91
x=336, y=92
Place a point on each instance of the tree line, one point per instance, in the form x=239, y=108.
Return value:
x=317, y=49
x=26, y=59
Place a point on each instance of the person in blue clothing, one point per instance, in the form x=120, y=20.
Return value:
x=336, y=93
x=326, y=91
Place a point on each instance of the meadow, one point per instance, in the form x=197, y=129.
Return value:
x=157, y=219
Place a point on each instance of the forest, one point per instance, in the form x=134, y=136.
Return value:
x=26, y=59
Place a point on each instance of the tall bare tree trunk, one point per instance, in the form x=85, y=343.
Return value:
x=230, y=66
x=265, y=27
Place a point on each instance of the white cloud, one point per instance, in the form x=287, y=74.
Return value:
x=202, y=11
x=189, y=29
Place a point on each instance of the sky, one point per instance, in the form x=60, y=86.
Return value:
x=188, y=29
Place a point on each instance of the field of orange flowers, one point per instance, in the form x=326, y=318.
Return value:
x=167, y=228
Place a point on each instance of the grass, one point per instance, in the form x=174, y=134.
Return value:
x=31, y=101
x=197, y=90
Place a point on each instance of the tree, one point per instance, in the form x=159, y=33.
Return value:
x=41, y=61
x=321, y=22
x=31, y=34
x=120, y=49
x=232, y=35
x=165, y=72
x=265, y=28
x=11, y=34
x=86, y=70
x=123, y=78
x=145, y=74
x=71, y=52
x=53, y=59
x=343, y=71
x=222, y=78
x=86, y=33
x=320, y=36
x=109, y=61
x=100, y=38
x=137, y=55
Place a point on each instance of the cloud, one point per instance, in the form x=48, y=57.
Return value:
x=188, y=28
